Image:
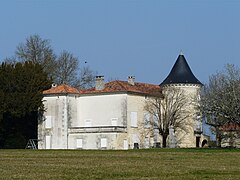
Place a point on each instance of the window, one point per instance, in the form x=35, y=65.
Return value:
x=198, y=126
x=103, y=142
x=88, y=123
x=133, y=119
x=147, y=123
x=48, y=142
x=48, y=122
x=79, y=143
x=155, y=120
x=114, y=121
x=125, y=144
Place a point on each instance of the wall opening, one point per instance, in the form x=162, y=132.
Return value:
x=198, y=142
x=204, y=143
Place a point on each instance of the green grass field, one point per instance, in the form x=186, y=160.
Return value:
x=131, y=164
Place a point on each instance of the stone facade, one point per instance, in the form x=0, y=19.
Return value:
x=113, y=115
x=113, y=120
x=187, y=138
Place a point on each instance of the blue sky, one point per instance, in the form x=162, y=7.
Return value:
x=129, y=37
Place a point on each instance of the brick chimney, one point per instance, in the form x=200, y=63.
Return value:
x=131, y=80
x=99, y=83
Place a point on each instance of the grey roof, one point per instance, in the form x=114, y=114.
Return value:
x=181, y=73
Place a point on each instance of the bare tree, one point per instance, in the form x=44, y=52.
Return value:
x=86, y=78
x=66, y=68
x=220, y=99
x=37, y=50
x=10, y=60
x=169, y=111
x=68, y=71
x=146, y=130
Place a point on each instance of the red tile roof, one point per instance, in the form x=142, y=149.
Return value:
x=124, y=86
x=62, y=89
x=111, y=87
x=231, y=127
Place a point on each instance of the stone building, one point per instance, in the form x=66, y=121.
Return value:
x=112, y=115
x=182, y=77
x=230, y=135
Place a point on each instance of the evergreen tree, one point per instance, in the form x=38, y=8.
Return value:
x=21, y=87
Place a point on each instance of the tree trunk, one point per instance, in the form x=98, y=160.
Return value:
x=218, y=137
x=164, y=140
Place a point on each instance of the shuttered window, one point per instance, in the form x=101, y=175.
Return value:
x=114, y=121
x=133, y=119
x=48, y=142
x=147, y=123
x=48, y=122
x=103, y=142
x=88, y=123
x=79, y=143
x=156, y=121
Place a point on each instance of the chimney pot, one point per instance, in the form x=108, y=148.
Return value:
x=131, y=80
x=100, y=83
x=54, y=85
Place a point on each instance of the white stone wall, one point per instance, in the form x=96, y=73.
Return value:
x=61, y=112
x=146, y=137
x=93, y=140
x=100, y=110
x=72, y=116
x=69, y=112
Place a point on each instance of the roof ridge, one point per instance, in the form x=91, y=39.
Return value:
x=147, y=83
x=135, y=82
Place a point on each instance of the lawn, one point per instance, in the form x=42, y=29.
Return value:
x=131, y=164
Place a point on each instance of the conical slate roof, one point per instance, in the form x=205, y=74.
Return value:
x=181, y=73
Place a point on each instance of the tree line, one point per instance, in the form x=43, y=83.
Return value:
x=32, y=69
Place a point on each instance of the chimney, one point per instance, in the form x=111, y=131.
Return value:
x=54, y=85
x=99, y=83
x=131, y=80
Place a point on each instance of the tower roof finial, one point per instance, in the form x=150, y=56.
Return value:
x=181, y=52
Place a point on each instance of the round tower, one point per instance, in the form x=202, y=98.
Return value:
x=181, y=80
